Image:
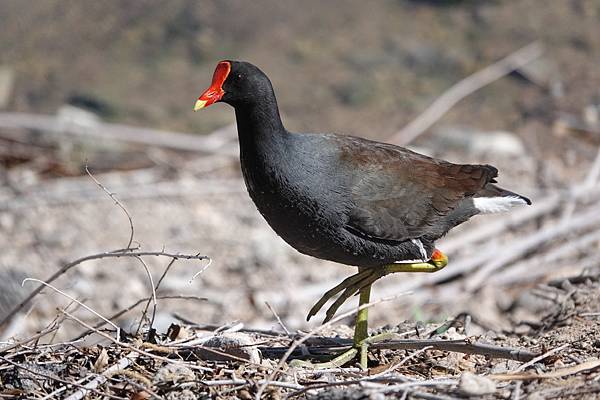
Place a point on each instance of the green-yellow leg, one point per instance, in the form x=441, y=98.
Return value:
x=361, y=282
x=361, y=333
x=361, y=328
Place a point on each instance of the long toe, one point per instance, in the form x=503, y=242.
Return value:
x=344, y=285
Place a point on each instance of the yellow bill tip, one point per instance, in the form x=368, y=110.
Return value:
x=199, y=104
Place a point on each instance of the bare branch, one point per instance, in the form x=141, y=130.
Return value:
x=464, y=88
x=117, y=202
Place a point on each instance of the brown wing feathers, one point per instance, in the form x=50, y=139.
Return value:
x=412, y=195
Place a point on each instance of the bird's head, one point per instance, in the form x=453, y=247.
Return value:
x=235, y=83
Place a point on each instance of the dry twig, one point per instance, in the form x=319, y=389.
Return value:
x=464, y=88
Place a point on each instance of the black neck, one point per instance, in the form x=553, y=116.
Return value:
x=258, y=120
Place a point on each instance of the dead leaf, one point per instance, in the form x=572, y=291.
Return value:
x=101, y=362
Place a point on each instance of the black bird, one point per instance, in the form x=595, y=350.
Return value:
x=346, y=199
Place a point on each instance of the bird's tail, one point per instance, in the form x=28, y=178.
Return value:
x=493, y=199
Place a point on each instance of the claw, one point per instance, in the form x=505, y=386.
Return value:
x=371, y=277
x=346, y=283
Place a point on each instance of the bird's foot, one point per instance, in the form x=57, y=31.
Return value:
x=348, y=288
x=336, y=362
x=367, y=276
x=361, y=349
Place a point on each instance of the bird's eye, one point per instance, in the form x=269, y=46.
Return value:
x=238, y=77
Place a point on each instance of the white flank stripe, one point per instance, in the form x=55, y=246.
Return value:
x=488, y=205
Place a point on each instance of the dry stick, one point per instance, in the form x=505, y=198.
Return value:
x=464, y=88
x=400, y=363
x=165, y=272
x=152, y=287
x=313, y=332
x=524, y=245
x=459, y=346
x=541, y=357
x=278, y=319
x=53, y=326
x=117, y=202
x=128, y=247
x=201, y=270
x=211, y=144
x=117, y=329
x=526, y=269
x=52, y=197
x=557, y=373
x=98, y=256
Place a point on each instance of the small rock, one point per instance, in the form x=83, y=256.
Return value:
x=474, y=385
x=173, y=373
x=237, y=344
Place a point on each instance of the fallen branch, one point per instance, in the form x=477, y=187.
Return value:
x=460, y=346
x=464, y=88
x=542, y=357
x=457, y=346
x=117, y=203
x=214, y=143
x=522, y=246
x=525, y=270
x=558, y=373
x=49, y=196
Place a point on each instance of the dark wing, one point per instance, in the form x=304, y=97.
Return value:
x=400, y=195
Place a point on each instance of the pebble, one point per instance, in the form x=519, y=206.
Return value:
x=474, y=385
x=173, y=373
x=237, y=344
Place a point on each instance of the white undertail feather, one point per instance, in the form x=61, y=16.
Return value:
x=489, y=205
x=422, y=251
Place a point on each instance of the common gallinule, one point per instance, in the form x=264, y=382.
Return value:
x=346, y=199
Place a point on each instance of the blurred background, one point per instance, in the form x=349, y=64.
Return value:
x=111, y=84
